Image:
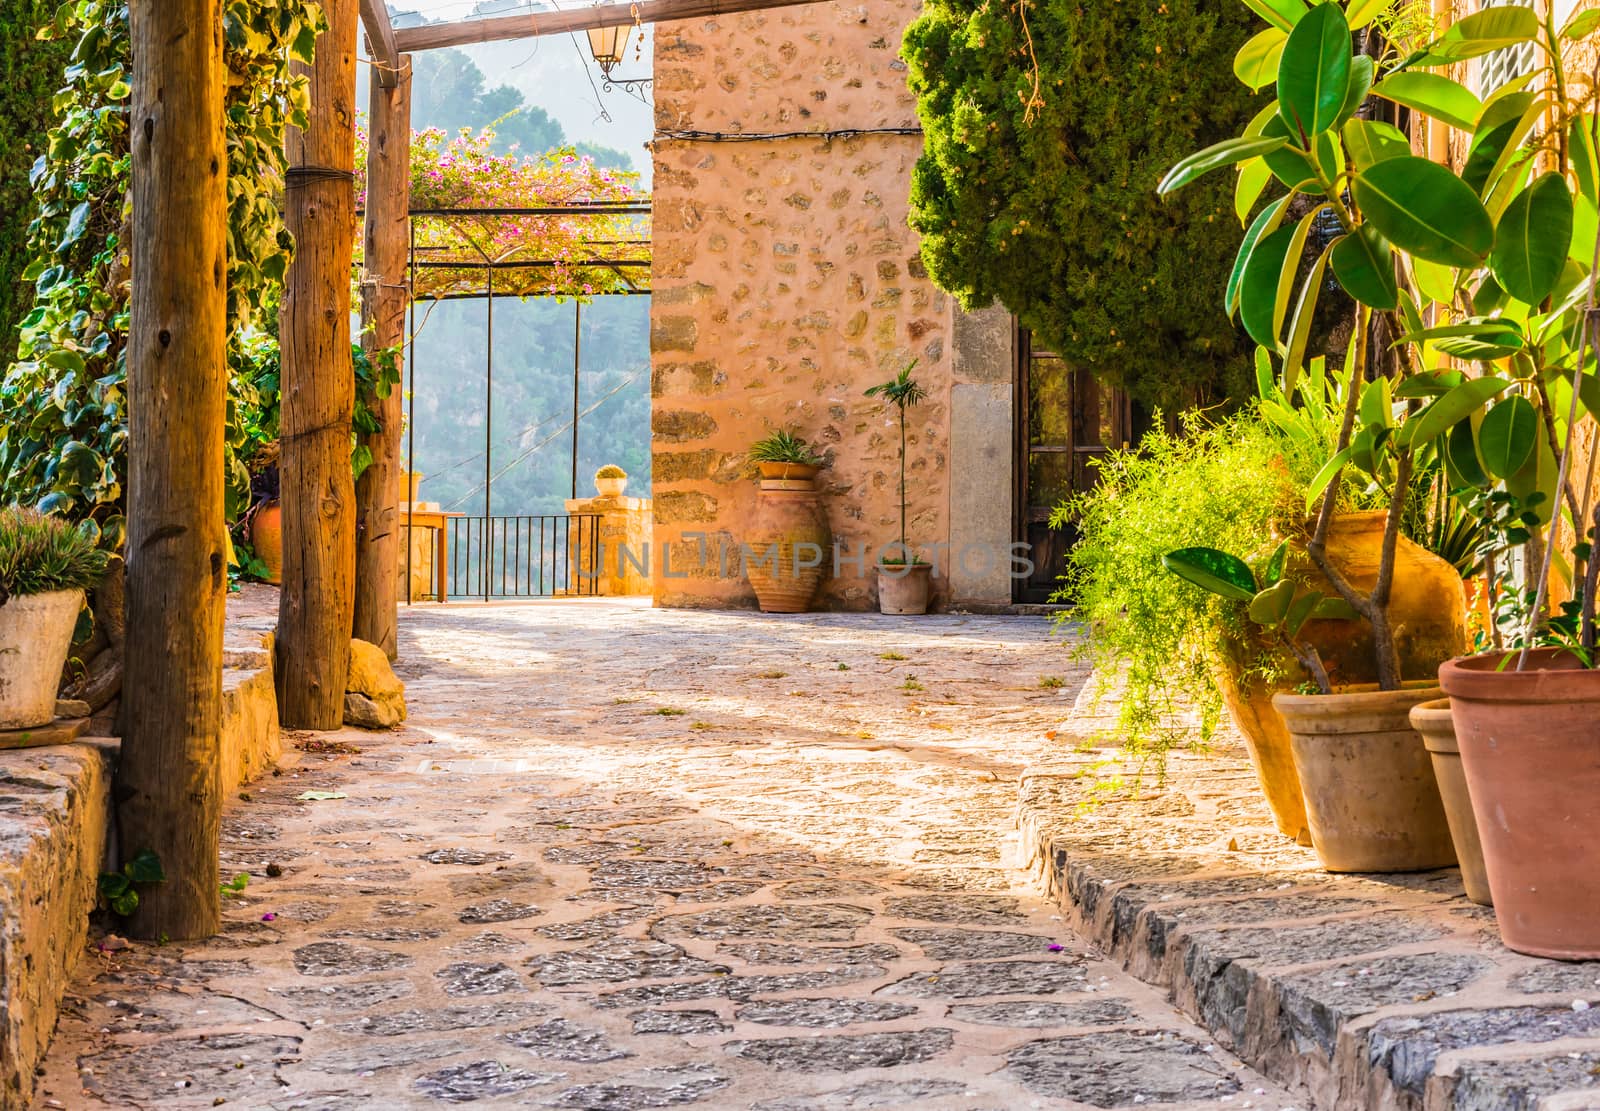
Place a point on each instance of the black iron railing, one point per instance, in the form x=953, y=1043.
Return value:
x=523, y=557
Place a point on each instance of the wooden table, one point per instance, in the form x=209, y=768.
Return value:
x=438, y=521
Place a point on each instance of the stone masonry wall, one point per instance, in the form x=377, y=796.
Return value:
x=786, y=282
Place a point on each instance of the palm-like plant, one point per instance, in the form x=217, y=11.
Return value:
x=902, y=391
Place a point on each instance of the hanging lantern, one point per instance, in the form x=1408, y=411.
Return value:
x=609, y=44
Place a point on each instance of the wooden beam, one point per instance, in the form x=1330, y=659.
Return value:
x=387, y=238
x=381, y=47
x=169, y=785
x=317, y=603
x=534, y=24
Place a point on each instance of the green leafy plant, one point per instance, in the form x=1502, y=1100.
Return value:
x=783, y=446
x=237, y=884
x=40, y=554
x=1278, y=604
x=610, y=470
x=120, y=890
x=63, y=404
x=1491, y=265
x=902, y=391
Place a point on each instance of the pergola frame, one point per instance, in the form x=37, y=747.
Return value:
x=340, y=577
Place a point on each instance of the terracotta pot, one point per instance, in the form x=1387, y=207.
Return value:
x=1427, y=603
x=611, y=487
x=903, y=587
x=411, y=480
x=35, y=636
x=1427, y=606
x=791, y=472
x=1530, y=746
x=1266, y=738
x=789, y=543
x=266, y=536
x=1438, y=728
x=1371, y=798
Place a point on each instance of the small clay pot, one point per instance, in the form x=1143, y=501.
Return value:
x=789, y=472
x=266, y=536
x=1530, y=747
x=35, y=636
x=903, y=587
x=611, y=487
x=1438, y=728
x=1371, y=799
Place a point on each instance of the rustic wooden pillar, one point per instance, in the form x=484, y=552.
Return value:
x=316, y=606
x=384, y=294
x=169, y=788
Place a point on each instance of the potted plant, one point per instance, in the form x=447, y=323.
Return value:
x=789, y=539
x=1412, y=244
x=46, y=565
x=610, y=481
x=903, y=578
x=783, y=455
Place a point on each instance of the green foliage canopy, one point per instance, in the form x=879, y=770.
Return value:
x=1052, y=210
x=30, y=73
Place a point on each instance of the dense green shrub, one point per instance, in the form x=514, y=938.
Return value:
x=1053, y=210
x=1236, y=485
x=40, y=554
x=31, y=70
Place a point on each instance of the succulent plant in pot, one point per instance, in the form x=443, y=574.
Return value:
x=46, y=565
x=782, y=455
x=903, y=577
x=610, y=481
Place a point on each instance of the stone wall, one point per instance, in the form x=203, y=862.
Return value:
x=786, y=281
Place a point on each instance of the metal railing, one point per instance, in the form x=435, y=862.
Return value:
x=524, y=557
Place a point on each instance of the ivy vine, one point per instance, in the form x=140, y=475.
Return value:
x=63, y=403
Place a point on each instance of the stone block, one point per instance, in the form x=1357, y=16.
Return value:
x=52, y=845
x=375, y=698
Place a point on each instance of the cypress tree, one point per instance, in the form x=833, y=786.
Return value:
x=1051, y=208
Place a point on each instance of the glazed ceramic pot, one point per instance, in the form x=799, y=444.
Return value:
x=35, y=636
x=1438, y=728
x=1428, y=608
x=903, y=587
x=1530, y=747
x=789, y=543
x=266, y=536
x=1371, y=798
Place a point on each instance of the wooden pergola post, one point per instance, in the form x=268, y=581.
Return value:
x=384, y=295
x=169, y=790
x=316, y=606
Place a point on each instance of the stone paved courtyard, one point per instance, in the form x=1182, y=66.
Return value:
x=627, y=858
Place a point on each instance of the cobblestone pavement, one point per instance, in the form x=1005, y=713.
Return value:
x=627, y=858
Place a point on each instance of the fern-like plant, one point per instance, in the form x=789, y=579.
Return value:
x=40, y=554
x=783, y=446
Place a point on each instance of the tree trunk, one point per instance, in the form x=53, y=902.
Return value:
x=383, y=316
x=317, y=603
x=169, y=791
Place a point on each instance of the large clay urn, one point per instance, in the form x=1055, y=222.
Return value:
x=788, y=544
x=266, y=534
x=1427, y=606
x=1530, y=747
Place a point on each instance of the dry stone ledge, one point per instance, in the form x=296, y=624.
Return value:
x=55, y=808
x=1384, y=992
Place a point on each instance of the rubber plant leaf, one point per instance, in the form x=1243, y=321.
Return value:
x=1482, y=32
x=1263, y=224
x=1213, y=570
x=1291, y=164
x=1423, y=208
x=1300, y=325
x=1364, y=265
x=1314, y=71
x=1533, y=239
x=1291, y=267
x=1253, y=178
x=1432, y=95
x=1256, y=63
x=1362, y=72
x=1449, y=409
x=1461, y=458
x=1507, y=436
x=1258, y=285
x=1271, y=606
x=1282, y=14
x=1226, y=153
x=1371, y=141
